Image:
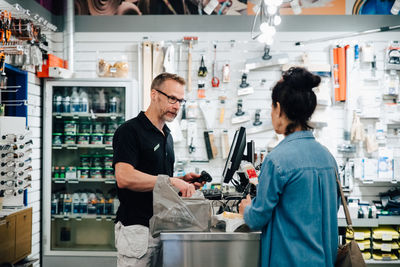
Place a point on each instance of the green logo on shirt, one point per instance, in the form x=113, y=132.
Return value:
x=156, y=147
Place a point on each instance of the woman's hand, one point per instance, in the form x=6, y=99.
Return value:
x=244, y=203
x=185, y=188
x=189, y=177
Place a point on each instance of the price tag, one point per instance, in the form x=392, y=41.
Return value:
x=386, y=247
x=387, y=237
x=358, y=235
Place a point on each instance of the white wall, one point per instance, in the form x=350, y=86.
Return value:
x=113, y=45
x=34, y=193
x=35, y=124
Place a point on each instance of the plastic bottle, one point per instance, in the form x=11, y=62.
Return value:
x=84, y=203
x=101, y=102
x=66, y=102
x=57, y=103
x=76, y=203
x=60, y=209
x=84, y=101
x=113, y=104
x=54, y=204
x=75, y=103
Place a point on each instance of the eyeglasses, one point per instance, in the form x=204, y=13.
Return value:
x=172, y=99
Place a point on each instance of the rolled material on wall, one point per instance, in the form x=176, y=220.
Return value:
x=103, y=7
x=147, y=74
x=342, y=73
x=128, y=9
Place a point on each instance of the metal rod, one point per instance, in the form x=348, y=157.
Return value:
x=381, y=29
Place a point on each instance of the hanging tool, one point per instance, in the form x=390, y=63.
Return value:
x=209, y=111
x=215, y=80
x=202, y=69
x=183, y=118
x=3, y=77
x=381, y=29
x=240, y=116
x=258, y=126
x=190, y=40
x=222, y=109
x=245, y=88
x=226, y=73
x=169, y=59
x=266, y=60
x=201, y=89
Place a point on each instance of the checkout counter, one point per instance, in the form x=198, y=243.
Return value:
x=217, y=248
x=207, y=249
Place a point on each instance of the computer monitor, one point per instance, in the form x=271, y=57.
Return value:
x=236, y=154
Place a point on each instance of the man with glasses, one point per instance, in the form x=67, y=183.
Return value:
x=143, y=149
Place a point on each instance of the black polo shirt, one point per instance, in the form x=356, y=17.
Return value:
x=139, y=143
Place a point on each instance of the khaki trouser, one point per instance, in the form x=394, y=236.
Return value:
x=136, y=247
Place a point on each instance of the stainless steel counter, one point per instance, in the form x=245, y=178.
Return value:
x=208, y=249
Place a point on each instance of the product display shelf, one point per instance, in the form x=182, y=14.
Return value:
x=86, y=180
x=86, y=115
x=107, y=147
x=397, y=262
x=382, y=220
x=83, y=216
x=359, y=222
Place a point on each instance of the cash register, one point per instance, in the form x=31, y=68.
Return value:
x=235, y=157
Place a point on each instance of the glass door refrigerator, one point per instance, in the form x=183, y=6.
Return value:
x=79, y=190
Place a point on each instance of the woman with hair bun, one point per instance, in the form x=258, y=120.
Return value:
x=297, y=198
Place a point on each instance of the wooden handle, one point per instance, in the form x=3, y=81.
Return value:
x=189, y=79
x=221, y=115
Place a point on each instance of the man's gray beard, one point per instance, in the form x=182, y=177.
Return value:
x=168, y=119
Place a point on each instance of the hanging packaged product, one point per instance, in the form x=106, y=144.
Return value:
x=108, y=138
x=391, y=83
x=70, y=127
x=201, y=89
x=191, y=110
x=96, y=139
x=392, y=61
x=57, y=139
x=96, y=172
x=83, y=138
x=69, y=139
x=226, y=73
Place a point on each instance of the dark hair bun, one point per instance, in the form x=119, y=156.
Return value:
x=300, y=79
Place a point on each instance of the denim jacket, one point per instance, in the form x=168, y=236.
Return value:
x=296, y=204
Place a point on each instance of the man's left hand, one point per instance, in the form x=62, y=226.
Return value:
x=189, y=177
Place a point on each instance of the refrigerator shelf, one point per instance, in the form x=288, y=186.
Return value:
x=87, y=180
x=79, y=217
x=86, y=115
x=107, y=147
